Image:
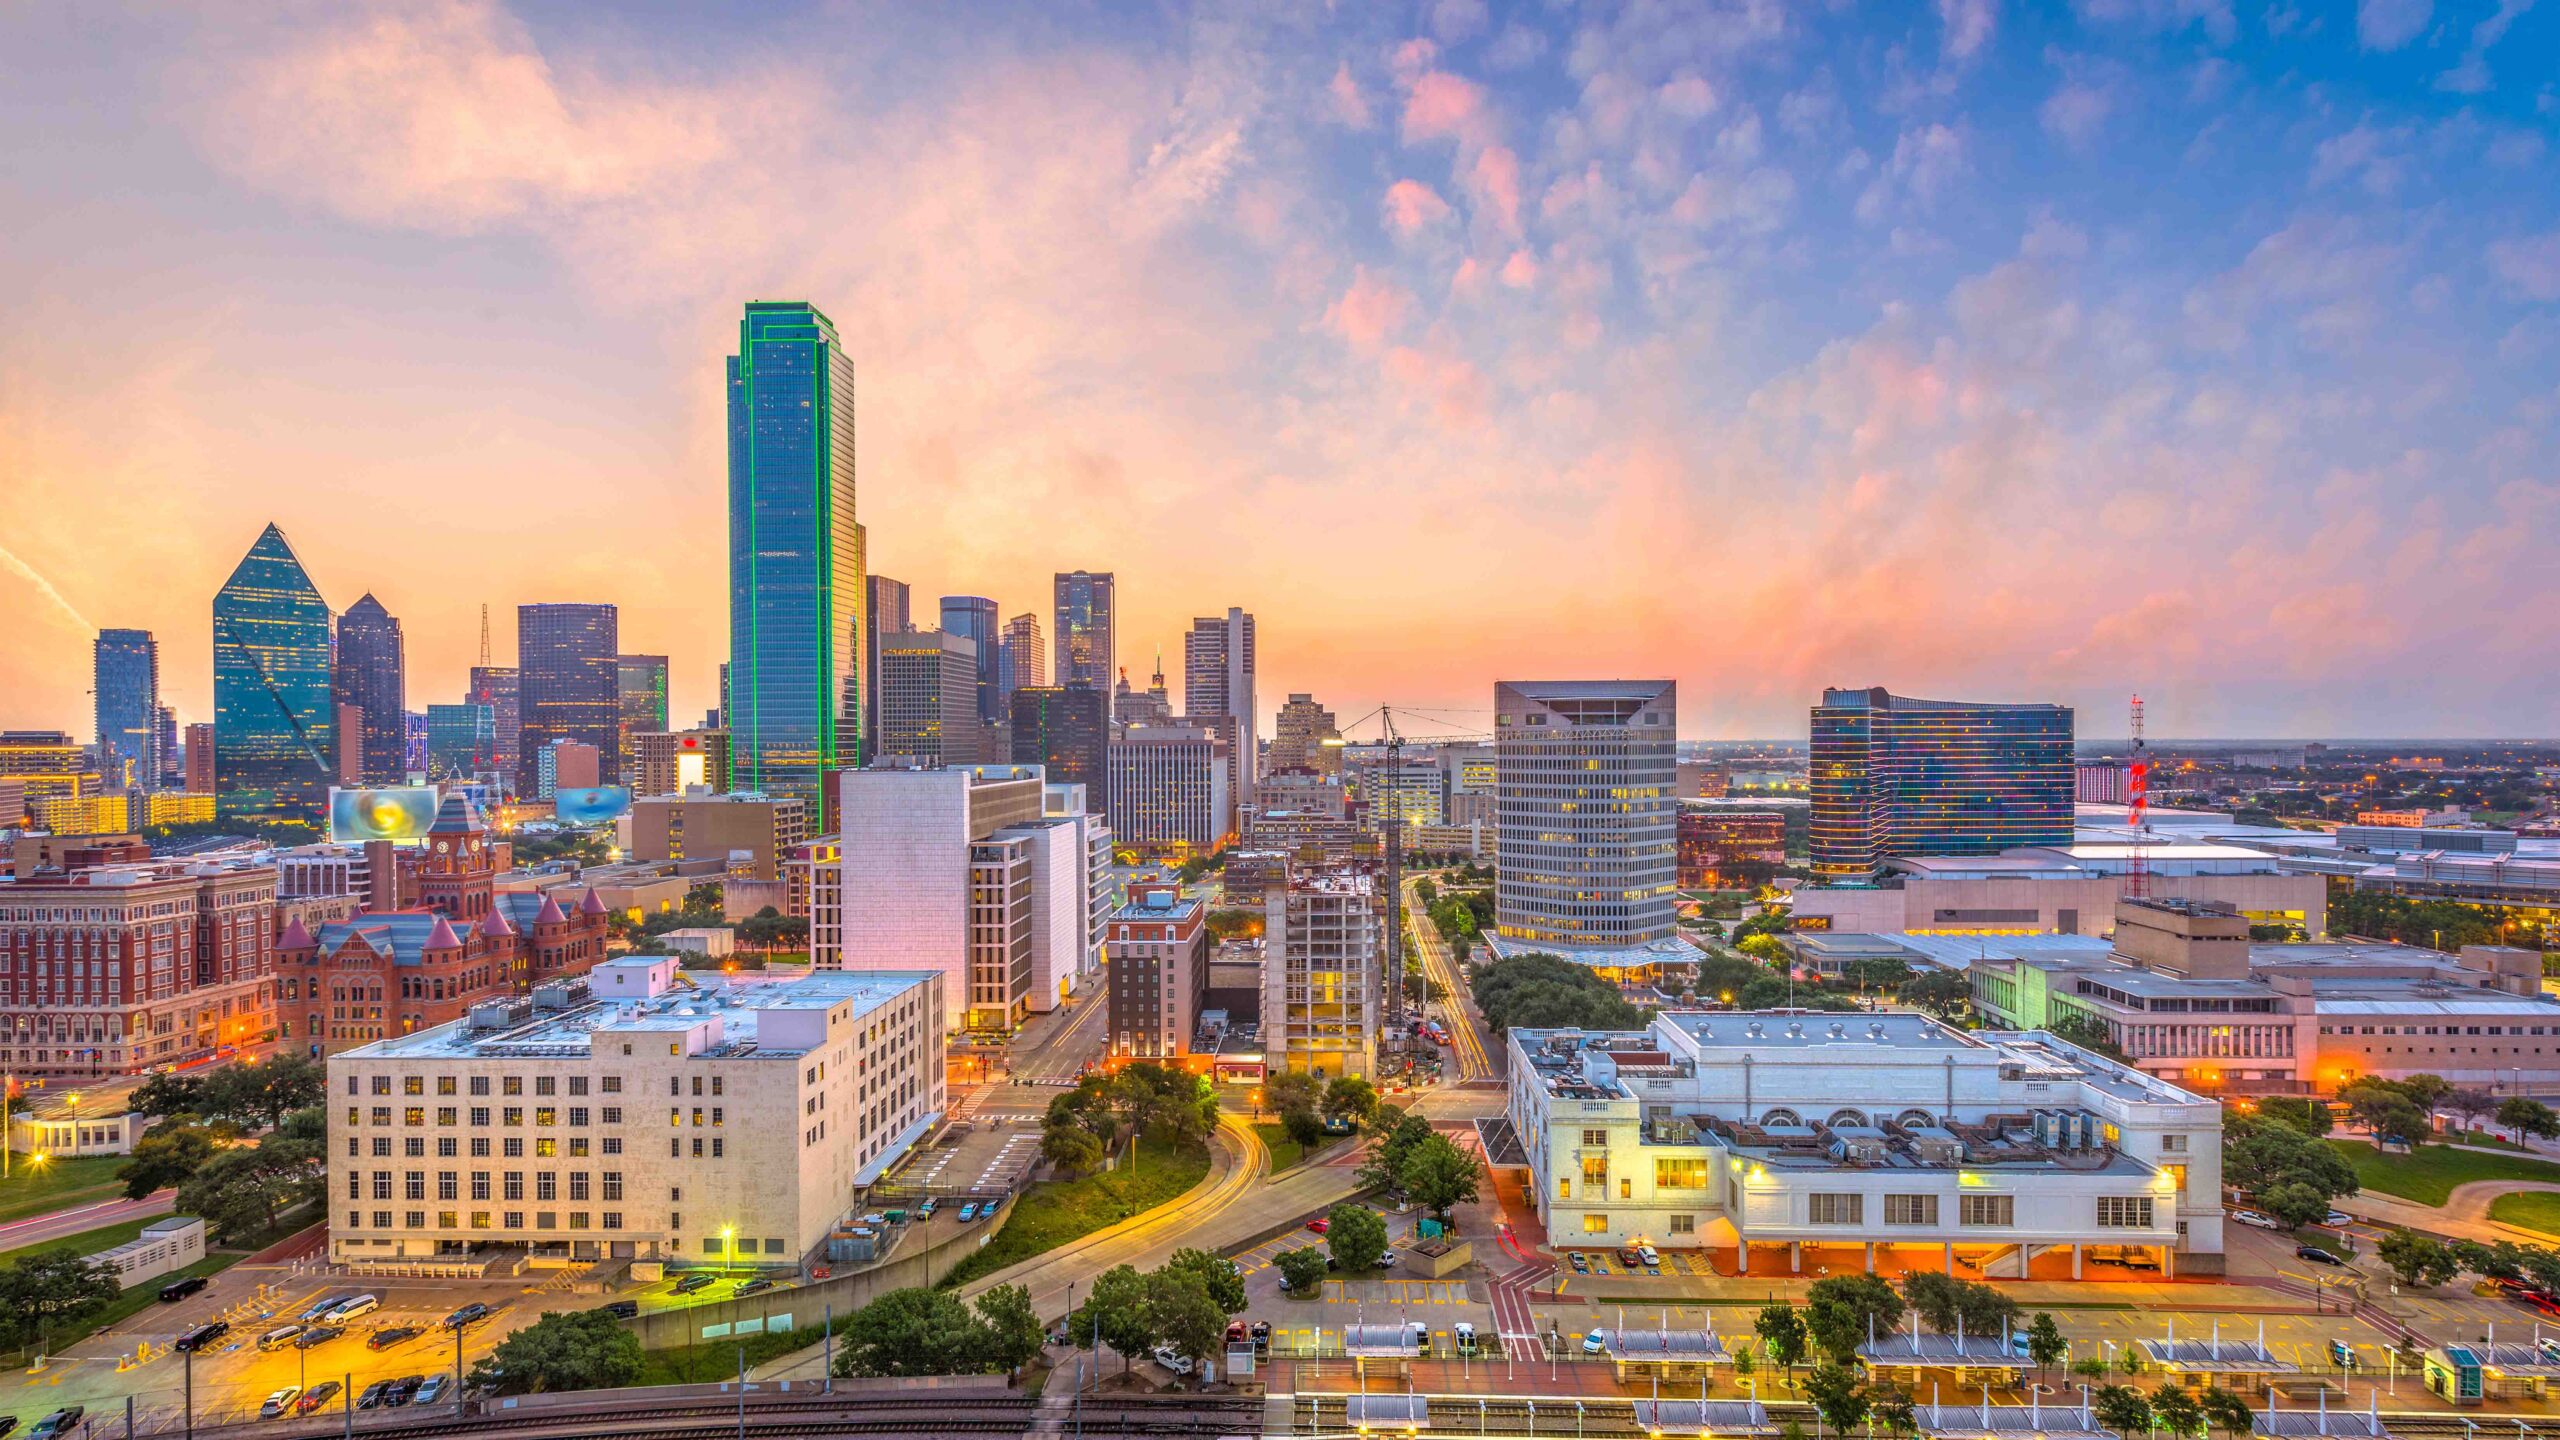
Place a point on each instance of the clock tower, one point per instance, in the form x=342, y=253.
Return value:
x=457, y=871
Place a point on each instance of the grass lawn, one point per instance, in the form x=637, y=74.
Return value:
x=1285, y=1152
x=2532, y=1209
x=33, y=1189
x=718, y=1359
x=2484, y=1138
x=1054, y=1212
x=86, y=1242
x=2428, y=1174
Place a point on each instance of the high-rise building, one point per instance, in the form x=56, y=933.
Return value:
x=500, y=687
x=1083, y=608
x=928, y=697
x=973, y=618
x=1321, y=986
x=1298, y=738
x=673, y=762
x=1159, y=971
x=1217, y=692
x=641, y=684
x=1168, y=790
x=884, y=612
x=1061, y=729
x=172, y=773
x=126, y=681
x=566, y=765
x=751, y=832
x=462, y=741
x=569, y=685
x=794, y=704
x=1584, y=773
x=1893, y=776
x=1022, y=658
x=371, y=679
x=1133, y=708
x=200, y=753
x=275, y=722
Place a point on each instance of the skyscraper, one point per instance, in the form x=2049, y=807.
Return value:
x=201, y=750
x=1298, y=738
x=794, y=706
x=1584, y=778
x=1021, y=658
x=370, y=679
x=1217, y=692
x=1060, y=727
x=275, y=740
x=973, y=618
x=641, y=681
x=1893, y=776
x=462, y=741
x=1082, y=634
x=127, y=685
x=500, y=688
x=172, y=770
x=884, y=612
x=569, y=686
x=929, y=697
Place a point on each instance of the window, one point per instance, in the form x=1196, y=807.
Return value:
x=1595, y=1170
x=1987, y=1209
x=2172, y=1144
x=1684, y=1224
x=1911, y=1209
x=1595, y=1224
x=1595, y=1137
x=2124, y=1212
x=514, y=1184
x=613, y=1184
x=1564, y=1187
x=1821, y=1209
x=1688, y=1174
x=1626, y=1187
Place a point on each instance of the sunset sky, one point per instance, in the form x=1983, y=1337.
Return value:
x=1979, y=350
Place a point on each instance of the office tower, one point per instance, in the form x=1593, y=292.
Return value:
x=275, y=723
x=1892, y=776
x=928, y=697
x=126, y=683
x=1168, y=790
x=165, y=743
x=1133, y=708
x=1022, y=658
x=568, y=685
x=1409, y=790
x=1321, y=986
x=672, y=763
x=1217, y=692
x=1159, y=971
x=1583, y=775
x=500, y=687
x=1082, y=634
x=793, y=703
x=462, y=741
x=1298, y=738
x=370, y=679
x=200, y=752
x=973, y=618
x=350, y=733
x=641, y=682
x=1061, y=729
x=884, y=612
x=566, y=765
x=413, y=742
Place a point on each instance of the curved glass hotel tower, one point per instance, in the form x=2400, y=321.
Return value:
x=274, y=720
x=794, y=706
x=1893, y=776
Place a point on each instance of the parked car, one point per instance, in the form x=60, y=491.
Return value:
x=433, y=1390
x=321, y=1307
x=691, y=1283
x=622, y=1309
x=177, y=1290
x=2336, y=1218
x=371, y=1399
x=279, y=1402
x=968, y=1212
x=1173, y=1360
x=279, y=1337
x=1629, y=1258
x=470, y=1314
x=403, y=1388
x=1320, y=1224
x=756, y=1286
x=356, y=1308
x=1386, y=1259
x=318, y=1335
x=925, y=1210
x=1652, y=1258
x=2316, y=1255
x=57, y=1423
x=394, y=1335
x=8, y=1423
x=1596, y=1343
x=203, y=1336
x=1464, y=1333
x=317, y=1396
x=2260, y=1219
x=1580, y=1265
x=1261, y=1333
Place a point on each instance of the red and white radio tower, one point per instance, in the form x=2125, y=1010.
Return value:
x=2137, y=873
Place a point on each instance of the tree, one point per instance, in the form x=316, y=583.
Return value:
x=1890, y=1410
x=2524, y=1116
x=1546, y=991
x=1943, y=993
x=1357, y=1237
x=1217, y=1275
x=1010, y=1334
x=1840, y=1309
x=1944, y=1302
x=1115, y=1310
x=1837, y=1396
x=1439, y=1176
x=1399, y=1135
x=2258, y=1154
x=241, y=1192
x=261, y=1095
x=2177, y=1411
x=2468, y=1105
x=167, y=1157
x=2386, y=1109
x=1302, y=1269
x=1350, y=1098
x=1072, y=1148
x=2225, y=1411
x=1182, y=1313
x=1291, y=1090
x=1782, y=1334
x=578, y=1350
x=1305, y=1127
x=2294, y=1203
x=51, y=1289
x=2045, y=1344
x=2415, y=1259
x=914, y=1331
x=168, y=1095
x=2311, y=1117
x=2121, y=1408
x=1763, y=947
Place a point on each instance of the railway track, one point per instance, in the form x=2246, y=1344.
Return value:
x=1607, y=1418
x=787, y=1417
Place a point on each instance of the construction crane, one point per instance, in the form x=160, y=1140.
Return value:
x=1395, y=740
x=2137, y=790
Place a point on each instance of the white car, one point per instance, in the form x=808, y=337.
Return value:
x=279, y=1402
x=1173, y=1360
x=1649, y=1256
x=2260, y=1219
x=1596, y=1343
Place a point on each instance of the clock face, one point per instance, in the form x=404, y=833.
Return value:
x=443, y=845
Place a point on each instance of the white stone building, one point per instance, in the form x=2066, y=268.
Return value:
x=1586, y=822
x=1321, y=982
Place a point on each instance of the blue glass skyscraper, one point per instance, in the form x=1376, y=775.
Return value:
x=127, y=687
x=274, y=730
x=973, y=618
x=794, y=701
x=1893, y=776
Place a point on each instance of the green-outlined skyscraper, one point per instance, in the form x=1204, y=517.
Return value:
x=274, y=719
x=794, y=709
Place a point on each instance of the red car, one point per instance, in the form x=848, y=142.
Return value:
x=1320, y=1224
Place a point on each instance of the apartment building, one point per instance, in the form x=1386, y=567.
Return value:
x=533, y=1122
x=1159, y=972
x=1321, y=985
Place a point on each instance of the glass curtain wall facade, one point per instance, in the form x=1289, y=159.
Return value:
x=462, y=740
x=127, y=686
x=1082, y=633
x=794, y=705
x=1062, y=728
x=641, y=681
x=275, y=739
x=371, y=678
x=973, y=618
x=1893, y=776
x=568, y=687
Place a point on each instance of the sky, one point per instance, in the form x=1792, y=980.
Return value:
x=2206, y=349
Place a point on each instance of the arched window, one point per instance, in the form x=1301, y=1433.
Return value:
x=1848, y=1117
x=1781, y=1116
x=1909, y=1118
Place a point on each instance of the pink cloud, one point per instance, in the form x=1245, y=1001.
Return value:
x=1443, y=106
x=1349, y=105
x=1496, y=179
x=1411, y=205
x=1367, y=313
x=1521, y=270
x=1457, y=391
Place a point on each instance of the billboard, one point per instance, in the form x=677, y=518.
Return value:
x=402, y=813
x=590, y=804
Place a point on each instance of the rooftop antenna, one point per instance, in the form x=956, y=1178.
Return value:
x=2137, y=789
x=484, y=634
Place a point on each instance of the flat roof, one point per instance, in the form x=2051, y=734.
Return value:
x=1671, y=950
x=736, y=1001
x=1955, y=952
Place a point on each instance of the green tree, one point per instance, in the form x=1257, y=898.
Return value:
x=914, y=1331
x=241, y=1192
x=1439, y=1176
x=1301, y=1269
x=1357, y=1236
x=1116, y=1311
x=1545, y=991
x=1840, y=1309
x=1305, y=1127
x=1350, y=1098
x=2045, y=1344
x=1291, y=1090
x=1837, y=1396
x=1397, y=1140
x=2121, y=1408
x=1181, y=1313
x=163, y=1158
x=2311, y=1117
x=53, y=1289
x=2414, y=1259
x=1010, y=1335
x=2258, y=1153
x=1944, y=1302
x=2293, y=1202
x=2225, y=1411
x=1782, y=1334
x=2177, y=1411
x=1072, y=1148
x=2524, y=1116
x=1217, y=1275
x=577, y=1350
x=1890, y=1409
x=169, y=1095
x=1763, y=947
x=1946, y=994
x=2386, y=1109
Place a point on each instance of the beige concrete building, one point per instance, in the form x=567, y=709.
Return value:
x=670, y=762
x=752, y=832
x=1299, y=736
x=1321, y=986
x=2063, y=890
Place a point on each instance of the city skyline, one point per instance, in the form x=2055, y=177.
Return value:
x=1963, y=349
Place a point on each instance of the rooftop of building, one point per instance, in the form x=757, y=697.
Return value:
x=1879, y=698
x=564, y=1028
x=1670, y=950
x=1160, y=905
